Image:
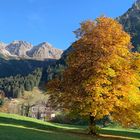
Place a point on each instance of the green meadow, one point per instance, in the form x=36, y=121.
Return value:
x=15, y=127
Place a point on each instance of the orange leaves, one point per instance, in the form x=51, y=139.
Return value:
x=102, y=77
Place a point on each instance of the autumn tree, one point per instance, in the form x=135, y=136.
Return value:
x=102, y=77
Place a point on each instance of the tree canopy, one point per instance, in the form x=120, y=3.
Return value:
x=102, y=77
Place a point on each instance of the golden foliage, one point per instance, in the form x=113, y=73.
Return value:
x=102, y=77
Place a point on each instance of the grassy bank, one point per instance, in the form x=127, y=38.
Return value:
x=14, y=127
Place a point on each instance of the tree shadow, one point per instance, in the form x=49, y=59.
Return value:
x=121, y=133
x=107, y=134
x=18, y=133
x=26, y=123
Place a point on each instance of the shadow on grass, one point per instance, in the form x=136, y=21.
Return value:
x=79, y=132
x=16, y=133
x=121, y=133
x=25, y=123
x=41, y=126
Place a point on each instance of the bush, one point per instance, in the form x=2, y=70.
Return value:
x=67, y=119
x=1, y=102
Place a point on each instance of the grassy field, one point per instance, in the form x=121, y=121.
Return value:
x=14, y=127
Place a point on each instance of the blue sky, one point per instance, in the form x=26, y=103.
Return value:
x=54, y=21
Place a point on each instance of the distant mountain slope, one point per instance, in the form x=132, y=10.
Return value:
x=3, y=51
x=44, y=51
x=25, y=50
x=20, y=57
x=56, y=68
x=22, y=67
x=19, y=48
x=131, y=23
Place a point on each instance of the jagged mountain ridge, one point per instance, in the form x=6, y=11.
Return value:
x=18, y=48
x=44, y=50
x=25, y=50
x=3, y=51
x=131, y=23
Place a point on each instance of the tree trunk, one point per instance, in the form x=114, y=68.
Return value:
x=92, y=126
x=27, y=111
x=22, y=110
x=38, y=114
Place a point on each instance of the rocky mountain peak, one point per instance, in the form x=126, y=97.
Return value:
x=3, y=51
x=131, y=23
x=44, y=45
x=136, y=5
x=20, y=42
x=23, y=49
x=19, y=48
x=45, y=51
x=2, y=45
x=137, y=1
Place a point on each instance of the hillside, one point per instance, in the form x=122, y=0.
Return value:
x=131, y=23
x=21, y=58
x=17, y=128
x=23, y=67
